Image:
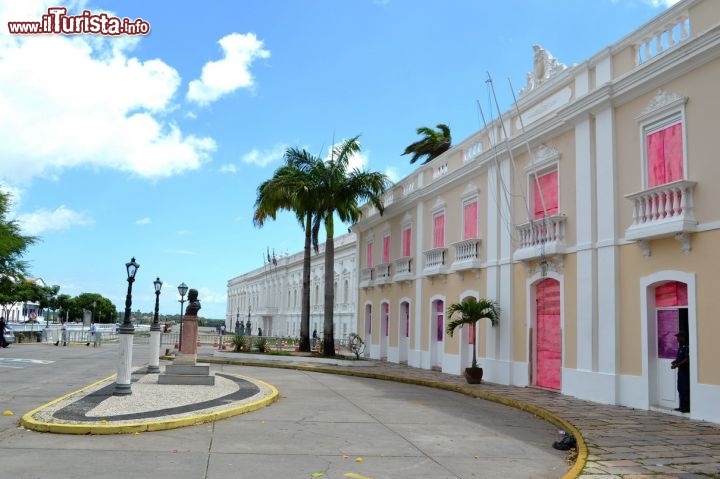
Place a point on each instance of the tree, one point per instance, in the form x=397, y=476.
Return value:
x=433, y=144
x=48, y=300
x=104, y=310
x=12, y=243
x=471, y=311
x=339, y=192
x=15, y=291
x=292, y=189
x=64, y=304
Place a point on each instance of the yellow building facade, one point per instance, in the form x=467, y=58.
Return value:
x=588, y=211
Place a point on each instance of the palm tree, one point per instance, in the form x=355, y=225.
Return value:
x=292, y=189
x=340, y=192
x=471, y=311
x=434, y=143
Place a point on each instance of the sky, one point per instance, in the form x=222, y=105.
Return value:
x=152, y=146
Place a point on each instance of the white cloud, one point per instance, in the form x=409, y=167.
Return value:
x=662, y=3
x=67, y=101
x=228, y=168
x=264, y=157
x=43, y=220
x=224, y=76
x=143, y=221
x=393, y=174
x=356, y=161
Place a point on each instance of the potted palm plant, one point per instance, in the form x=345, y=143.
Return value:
x=470, y=312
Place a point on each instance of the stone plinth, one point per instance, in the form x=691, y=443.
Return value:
x=185, y=369
x=187, y=375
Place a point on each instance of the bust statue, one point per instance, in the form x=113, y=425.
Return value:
x=193, y=303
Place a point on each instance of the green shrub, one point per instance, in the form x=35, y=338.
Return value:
x=240, y=343
x=261, y=344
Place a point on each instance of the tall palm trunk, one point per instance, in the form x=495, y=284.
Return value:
x=329, y=333
x=305, y=306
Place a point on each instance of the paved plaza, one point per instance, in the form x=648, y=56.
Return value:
x=346, y=425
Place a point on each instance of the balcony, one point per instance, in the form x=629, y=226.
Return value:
x=435, y=262
x=543, y=237
x=662, y=211
x=366, y=277
x=403, y=269
x=382, y=273
x=467, y=255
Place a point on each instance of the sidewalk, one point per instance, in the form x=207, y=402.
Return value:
x=614, y=442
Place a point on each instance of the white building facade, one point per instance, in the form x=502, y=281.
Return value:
x=270, y=297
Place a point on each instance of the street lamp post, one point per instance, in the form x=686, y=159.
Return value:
x=127, y=332
x=154, y=362
x=238, y=327
x=182, y=290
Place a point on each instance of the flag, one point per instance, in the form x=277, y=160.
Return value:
x=274, y=259
x=268, y=254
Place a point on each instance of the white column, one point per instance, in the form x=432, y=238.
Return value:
x=154, y=359
x=585, y=313
x=419, y=308
x=494, y=203
x=607, y=298
x=122, y=384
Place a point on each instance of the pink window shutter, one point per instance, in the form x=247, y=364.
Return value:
x=440, y=318
x=549, y=189
x=370, y=255
x=439, y=231
x=673, y=153
x=470, y=220
x=656, y=159
x=407, y=234
x=671, y=294
x=386, y=249
x=665, y=156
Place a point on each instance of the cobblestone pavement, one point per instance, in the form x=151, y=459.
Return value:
x=621, y=442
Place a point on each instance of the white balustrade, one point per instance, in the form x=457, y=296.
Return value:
x=366, y=277
x=467, y=254
x=403, y=268
x=662, y=210
x=435, y=261
x=659, y=38
x=541, y=237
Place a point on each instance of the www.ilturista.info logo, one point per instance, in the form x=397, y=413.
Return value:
x=57, y=21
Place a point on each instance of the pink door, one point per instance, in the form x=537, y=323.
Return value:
x=549, y=334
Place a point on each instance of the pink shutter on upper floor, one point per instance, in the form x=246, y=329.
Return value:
x=470, y=220
x=439, y=231
x=369, y=255
x=665, y=156
x=407, y=234
x=386, y=249
x=549, y=189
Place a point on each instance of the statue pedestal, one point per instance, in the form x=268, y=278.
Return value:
x=185, y=369
x=188, y=353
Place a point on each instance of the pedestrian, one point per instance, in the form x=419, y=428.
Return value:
x=682, y=364
x=63, y=334
x=314, y=337
x=222, y=330
x=259, y=331
x=3, y=329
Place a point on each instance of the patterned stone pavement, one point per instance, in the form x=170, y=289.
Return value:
x=621, y=442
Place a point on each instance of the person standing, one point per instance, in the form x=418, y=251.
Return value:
x=3, y=343
x=63, y=334
x=682, y=364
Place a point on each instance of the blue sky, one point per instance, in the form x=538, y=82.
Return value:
x=153, y=146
